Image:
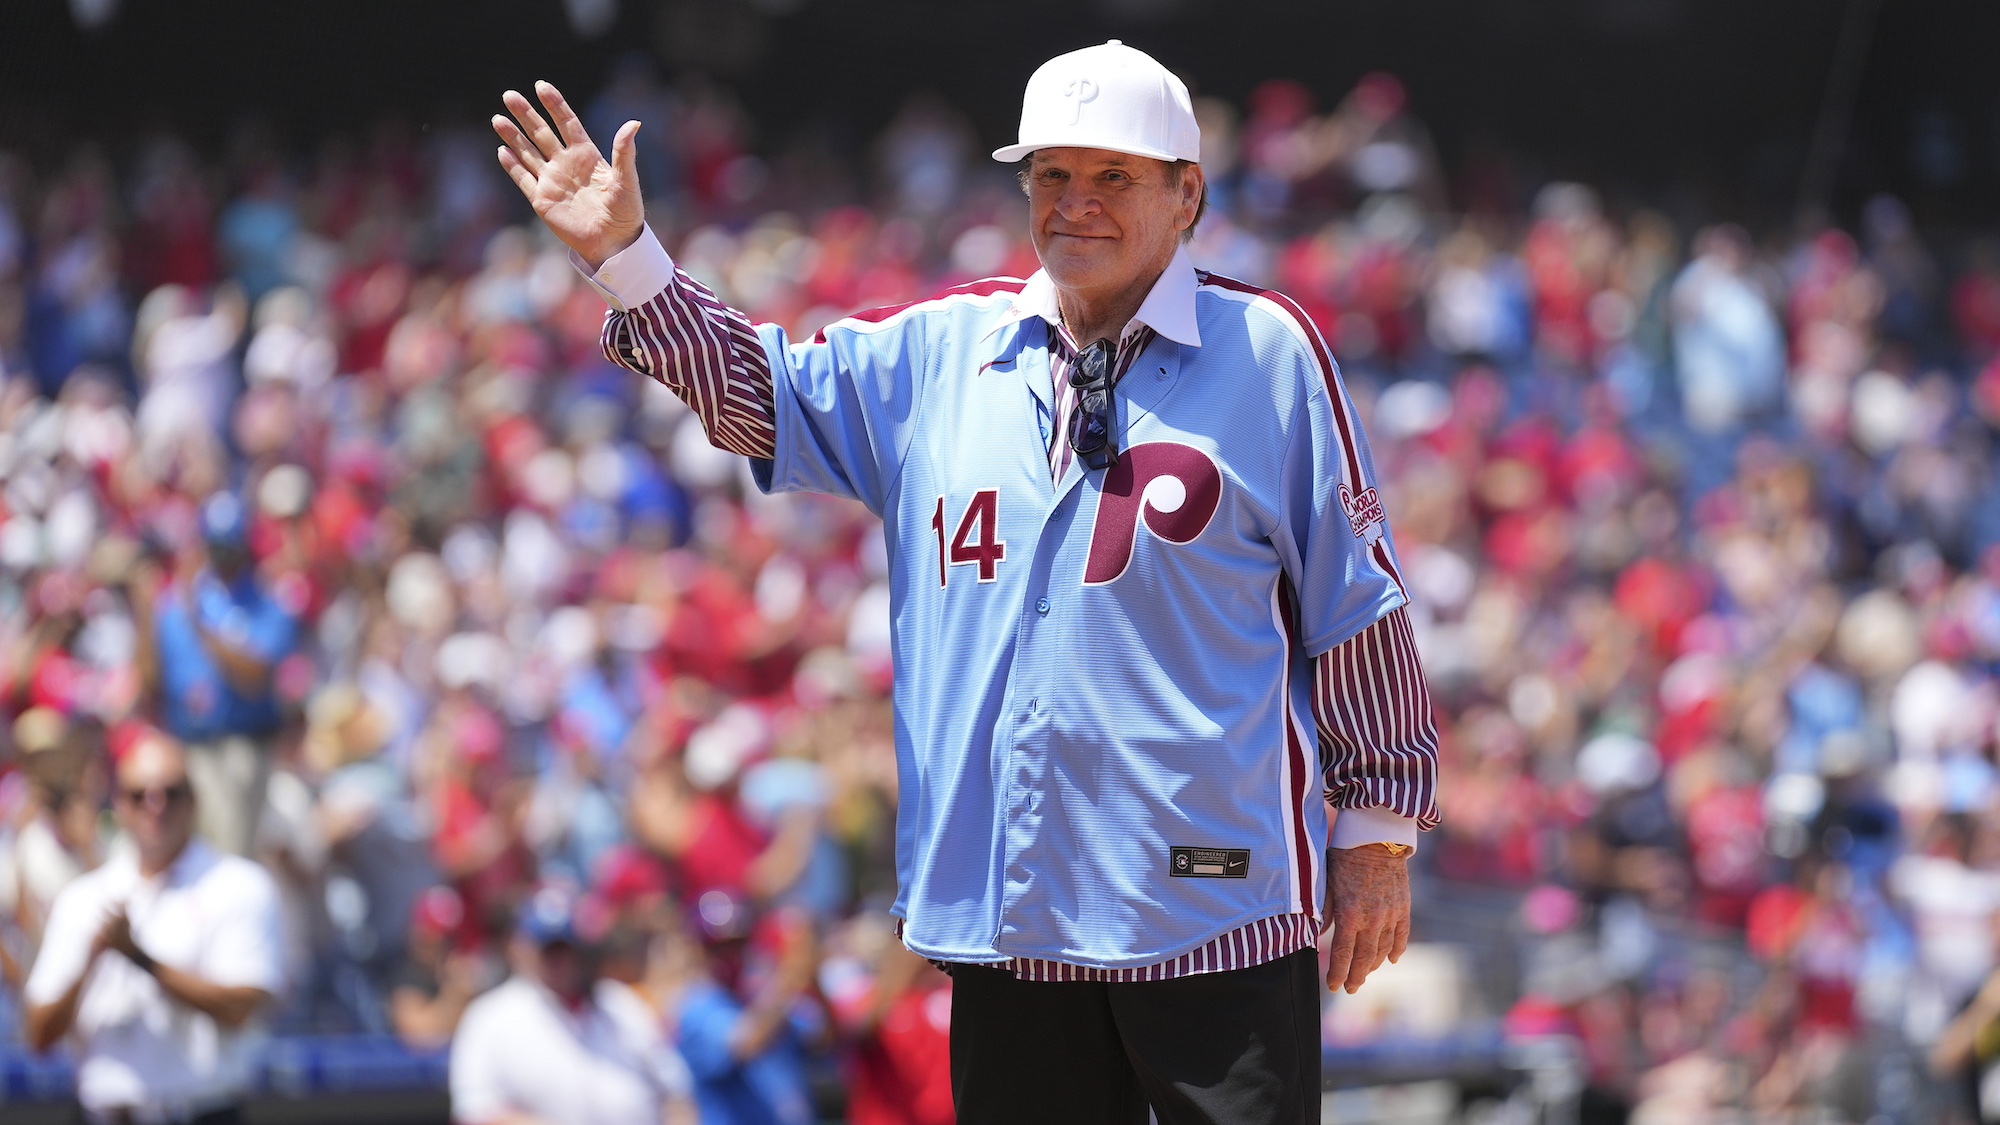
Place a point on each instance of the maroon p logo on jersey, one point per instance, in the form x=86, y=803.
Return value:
x=1175, y=488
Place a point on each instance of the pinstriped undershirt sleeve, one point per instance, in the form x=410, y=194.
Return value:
x=667, y=326
x=1378, y=732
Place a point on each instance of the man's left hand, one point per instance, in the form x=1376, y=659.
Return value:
x=1368, y=893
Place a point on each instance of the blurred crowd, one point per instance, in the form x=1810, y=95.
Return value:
x=312, y=461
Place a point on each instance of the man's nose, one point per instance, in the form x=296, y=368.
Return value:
x=1077, y=202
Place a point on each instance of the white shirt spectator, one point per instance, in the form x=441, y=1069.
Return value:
x=1952, y=907
x=189, y=367
x=518, y=1050
x=210, y=914
x=1727, y=342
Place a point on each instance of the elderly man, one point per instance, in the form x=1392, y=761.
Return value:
x=1137, y=554
x=159, y=961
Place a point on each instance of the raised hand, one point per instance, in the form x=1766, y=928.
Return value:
x=593, y=205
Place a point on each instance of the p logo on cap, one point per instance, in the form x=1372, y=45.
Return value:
x=1079, y=91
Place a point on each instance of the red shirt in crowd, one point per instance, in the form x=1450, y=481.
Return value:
x=902, y=1070
x=720, y=849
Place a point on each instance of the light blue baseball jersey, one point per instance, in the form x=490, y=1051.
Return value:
x=1104, y=736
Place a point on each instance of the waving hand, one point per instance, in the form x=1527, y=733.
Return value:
x=590, y=203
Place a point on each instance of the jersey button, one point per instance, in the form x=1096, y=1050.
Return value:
x=1042, y=606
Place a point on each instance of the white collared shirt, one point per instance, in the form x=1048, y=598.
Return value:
x=518, y=1050
x=1168, y=308
x=210, y=914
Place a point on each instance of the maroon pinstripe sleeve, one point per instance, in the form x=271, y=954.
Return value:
x=708, y=354
x=1377, y=729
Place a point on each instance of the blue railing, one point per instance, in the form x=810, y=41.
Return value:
x=1480, y=1049
x=292, y=1067
x=299, y=1067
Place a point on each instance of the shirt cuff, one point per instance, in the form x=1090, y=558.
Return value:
x=1355, y=827
x=632, y=276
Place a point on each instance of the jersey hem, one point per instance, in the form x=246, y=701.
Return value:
x=784, y=400
x=1334, y=638
x=1082, y=960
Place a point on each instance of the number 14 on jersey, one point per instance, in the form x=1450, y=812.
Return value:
x=976, y=542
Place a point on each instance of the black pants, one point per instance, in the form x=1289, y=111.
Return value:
x=1239, y=1047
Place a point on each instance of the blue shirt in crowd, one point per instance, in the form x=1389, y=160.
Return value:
x=768, y=1089
x=199, y=704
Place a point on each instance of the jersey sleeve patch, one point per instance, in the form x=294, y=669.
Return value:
x=1364, y=513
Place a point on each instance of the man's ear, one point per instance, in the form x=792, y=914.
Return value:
x=1193, y=183
x=1194, y=192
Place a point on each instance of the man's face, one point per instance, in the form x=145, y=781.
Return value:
x=155, y=805
x=567, y=970
x=1101, y=220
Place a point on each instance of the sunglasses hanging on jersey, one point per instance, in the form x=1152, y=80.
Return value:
x=1090, y=420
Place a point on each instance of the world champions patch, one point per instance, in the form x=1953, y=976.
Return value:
x=1209, y=863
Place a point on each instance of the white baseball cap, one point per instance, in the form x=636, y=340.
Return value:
x=1109, y=96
